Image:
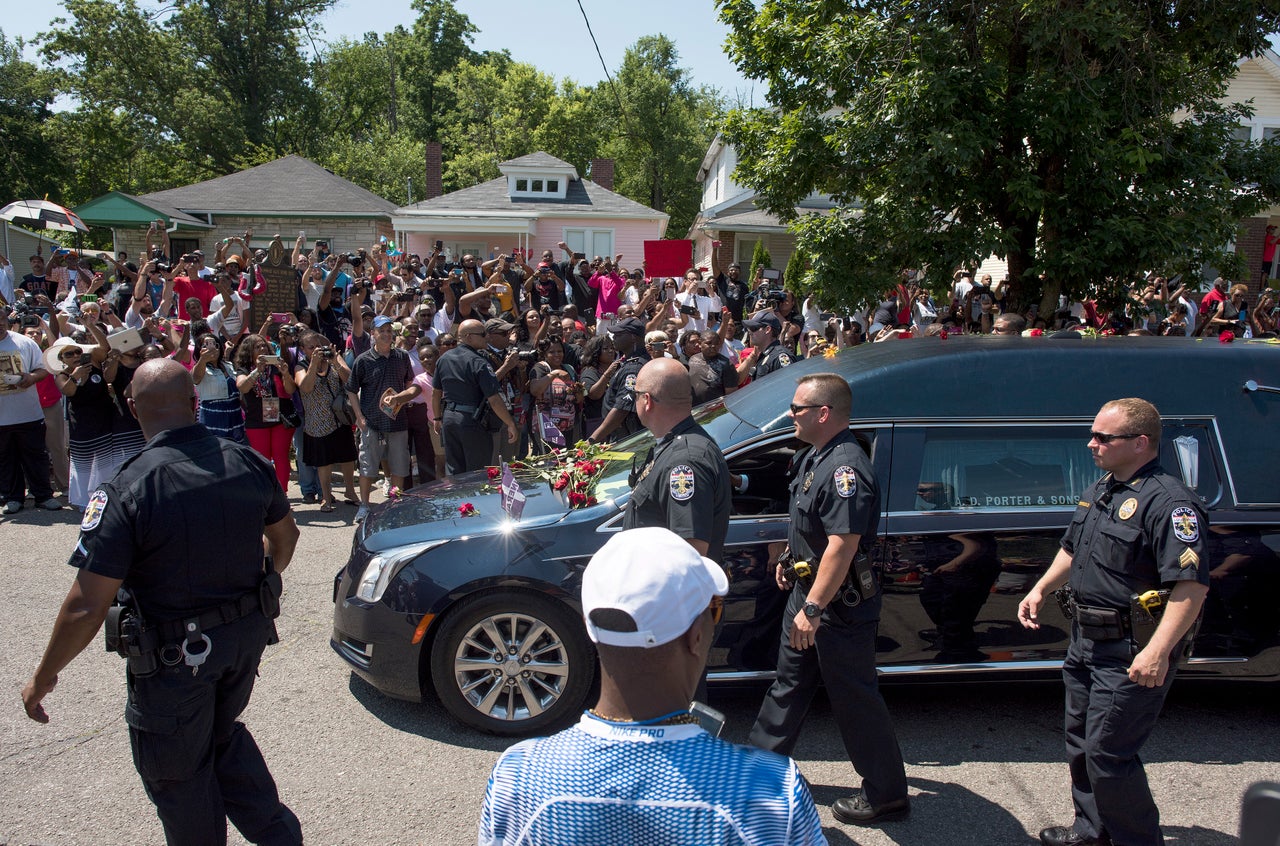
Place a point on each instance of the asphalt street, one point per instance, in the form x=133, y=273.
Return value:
x=984, y=760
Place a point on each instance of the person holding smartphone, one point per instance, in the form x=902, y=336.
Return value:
x=265, y=387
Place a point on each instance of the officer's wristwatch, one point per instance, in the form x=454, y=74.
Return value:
x=813, y=609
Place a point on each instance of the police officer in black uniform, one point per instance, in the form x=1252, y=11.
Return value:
x=684, y=484
x=620, y=396
x=829, y=628
x=768, y=355
x=1136, y=531
x=181, y=528
x=464, y=384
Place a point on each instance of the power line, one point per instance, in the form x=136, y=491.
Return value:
x=614, y=88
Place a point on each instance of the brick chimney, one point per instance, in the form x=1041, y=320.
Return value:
x=602, y=173
x=435, y=171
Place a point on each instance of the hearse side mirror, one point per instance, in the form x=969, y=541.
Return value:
x=1253, y=387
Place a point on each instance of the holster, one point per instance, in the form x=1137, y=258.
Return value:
x=860, y=583
x=1101, y=623
x=127, y=634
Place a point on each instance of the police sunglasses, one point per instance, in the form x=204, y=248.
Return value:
x=1104, y=438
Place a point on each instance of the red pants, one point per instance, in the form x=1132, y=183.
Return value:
x=273, y=443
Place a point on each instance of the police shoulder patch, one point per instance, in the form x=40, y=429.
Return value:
x=630, y=382
x=846, y=481
x=784, y=360
x=93, y=511
x=1186, y=526
x=681, y=482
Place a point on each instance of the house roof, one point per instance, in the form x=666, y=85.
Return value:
x=582, y=197
x=538, y=159
x=287, y=186
x=116, y=208
x=752, y=219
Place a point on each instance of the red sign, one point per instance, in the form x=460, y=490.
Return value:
x=667, y=258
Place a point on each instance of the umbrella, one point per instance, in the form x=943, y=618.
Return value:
x=43, y=215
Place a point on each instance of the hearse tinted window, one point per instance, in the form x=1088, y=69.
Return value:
x=1002, y=468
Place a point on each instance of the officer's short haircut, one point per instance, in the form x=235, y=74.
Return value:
x=1140, y=416
x=831, y=390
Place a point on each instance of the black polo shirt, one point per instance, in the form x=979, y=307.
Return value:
x=833, y=492
x=684, y=486
x=1131, y=537
x=181, y=523
x=371, y=375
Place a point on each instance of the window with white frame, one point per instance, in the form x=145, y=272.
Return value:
x=539, y=187
x=590, y=242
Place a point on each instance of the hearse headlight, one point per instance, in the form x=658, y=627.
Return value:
x=381, y=567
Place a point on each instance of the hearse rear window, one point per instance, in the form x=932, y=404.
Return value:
x=1003, y=468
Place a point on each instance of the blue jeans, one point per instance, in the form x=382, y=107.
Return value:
x=308, y=477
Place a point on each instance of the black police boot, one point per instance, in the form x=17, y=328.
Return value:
x=856, y=810
x=1065, y=835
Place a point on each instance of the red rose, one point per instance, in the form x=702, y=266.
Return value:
x=466, y=509
x=577, y=453
x=576, y=499
x=561, y=482
x=494, y=473
x=580, y=485
x=1226, y=337
x=591, y=500
x=516, y=465
x=1036, y=333
x=942, y=336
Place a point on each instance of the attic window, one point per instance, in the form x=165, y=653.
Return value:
x=522, y=185
x=537, y=186
x=553, y=186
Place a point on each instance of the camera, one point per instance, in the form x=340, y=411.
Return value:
x=527, y=355
x=775, y=295
x=406, y=297
x=163, y=267
x=691, y=310
x=84, y=359
x=362, y=285
x=28, y=320
x=354, y=259
x=327, y=352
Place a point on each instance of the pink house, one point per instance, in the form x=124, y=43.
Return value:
x=537, y=202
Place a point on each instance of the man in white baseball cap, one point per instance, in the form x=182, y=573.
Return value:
x=639, y=762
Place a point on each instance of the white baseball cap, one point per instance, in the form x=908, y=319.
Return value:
x=655, y=577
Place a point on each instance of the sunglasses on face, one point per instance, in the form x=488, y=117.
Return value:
x=1104, y=438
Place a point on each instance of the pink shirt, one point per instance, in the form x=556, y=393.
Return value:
x=610, y=286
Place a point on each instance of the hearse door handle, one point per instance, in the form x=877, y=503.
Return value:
x=1252, y=387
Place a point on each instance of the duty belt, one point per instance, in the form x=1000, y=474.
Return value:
x=171, y=631
x=461, y=409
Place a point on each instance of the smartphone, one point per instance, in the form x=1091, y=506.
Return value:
x=439, y=245
x=279, y=317
x=711, y=720
x=302, y=233
x=272, y=359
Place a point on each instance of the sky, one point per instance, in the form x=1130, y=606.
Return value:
x=538, y=33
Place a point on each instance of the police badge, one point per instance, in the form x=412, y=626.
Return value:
x=93, y=511
x=681, y=482
x=846, y=481
x=1186, y=526
x=1127, y=508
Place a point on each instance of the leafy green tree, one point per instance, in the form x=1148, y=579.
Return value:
x=797, y=267
x=657, y=128
x=30, y=166
x=438, y=42
x=201, y=82
x=383, y=163
x=1050, y=134
x=500, y=104
x=759, y=258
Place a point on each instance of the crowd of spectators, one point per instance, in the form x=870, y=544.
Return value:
x=343, y=381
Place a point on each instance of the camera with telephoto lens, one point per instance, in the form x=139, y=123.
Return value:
x=527, y=356
x=775, y=295
x=354, y=259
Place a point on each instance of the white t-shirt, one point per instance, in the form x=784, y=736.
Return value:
x=233, y=323
x=706, y=305
x=812, y=316
x=19, y=355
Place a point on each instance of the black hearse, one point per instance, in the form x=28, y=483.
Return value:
x=980, y=448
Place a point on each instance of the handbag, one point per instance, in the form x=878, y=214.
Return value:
x=340, y=405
